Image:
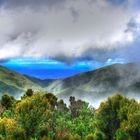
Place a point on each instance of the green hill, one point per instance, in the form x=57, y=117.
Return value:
x=15, y=83
x=41, y=82
x=100, y=83
x=97, y=84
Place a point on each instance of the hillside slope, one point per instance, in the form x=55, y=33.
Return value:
x=100, y=83
x=97, y=84
x=15, y=83
x=41, y=82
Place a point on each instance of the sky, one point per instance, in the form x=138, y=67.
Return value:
x=60, y=38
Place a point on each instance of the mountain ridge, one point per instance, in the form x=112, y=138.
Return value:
x=15, y=83
x=92, y=84
x=100, y=83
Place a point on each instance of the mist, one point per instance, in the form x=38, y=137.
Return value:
x=96, y=86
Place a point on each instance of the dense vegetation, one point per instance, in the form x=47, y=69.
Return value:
x=40, y=116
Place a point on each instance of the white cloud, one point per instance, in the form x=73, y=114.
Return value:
x=27, y=32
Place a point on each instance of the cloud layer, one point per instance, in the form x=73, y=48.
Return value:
x=68, y=30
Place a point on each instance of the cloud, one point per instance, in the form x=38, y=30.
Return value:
x=65, y=30
x=31, y=3
x=133, y=25
x=118, y=2
x=125, y=3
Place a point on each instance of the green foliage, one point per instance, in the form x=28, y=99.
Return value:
x=7, y=101
x=99, y=135
x=29, y=92
x=119, y=116
x=9, y=129
x=122, y=135
x=76, y=137
x=62, y=107
x=51, y=99
x=76, y=107
x=32, y=112
x=43, y=131
x=42, y=117
x=8, y=114
x=90, y=137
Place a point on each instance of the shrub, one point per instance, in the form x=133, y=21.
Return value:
x=29, y=92
x=7, y=101
x=89, y=137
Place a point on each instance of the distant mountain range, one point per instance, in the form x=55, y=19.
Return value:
x=96, y=84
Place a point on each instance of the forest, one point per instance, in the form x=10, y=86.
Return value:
x=41, y=116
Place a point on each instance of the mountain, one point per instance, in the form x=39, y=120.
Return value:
x=15, y=83
x=41, y=82
x=100, y=83
x=97, y=84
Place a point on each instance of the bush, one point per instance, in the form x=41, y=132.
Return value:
x=64, y=135
x=76, y=137
x=98, y=135
x=43, y=131
x=89, y=137
x=10, y=130
x=122, y=135
x=7, y=101
x=44, y=138
x=31, y=111
x=29, y=92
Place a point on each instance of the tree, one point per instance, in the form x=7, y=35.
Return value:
x=64, y=135
x=99, y=135
x=43, y=131
x=33, y=112
x=90, y=137
x=29, y=92
x=62, y=107
x=41, y=117
x=7, y=101
x=52, y=99
x=76, y=106
x=107, y=115
x=122, y=135
x=119, y=112
x=2, y=109
x=131, y=126
x=9, y=129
